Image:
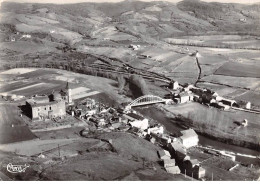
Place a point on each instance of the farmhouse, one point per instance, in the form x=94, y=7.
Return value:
x=40, y=107
x=183, y=97
x=189, y=138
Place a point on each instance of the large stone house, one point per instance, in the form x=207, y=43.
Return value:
x=40, y=107
x=52, y=106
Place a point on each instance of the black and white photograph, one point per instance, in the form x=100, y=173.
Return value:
x=130, y=90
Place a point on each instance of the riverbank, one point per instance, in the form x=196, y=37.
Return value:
x=224, y=129
x=173, y=126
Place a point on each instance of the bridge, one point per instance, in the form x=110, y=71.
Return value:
x=146, y=100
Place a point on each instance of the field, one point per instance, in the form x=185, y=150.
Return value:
x=248, y=96
x=221, y=124
x=116, y=161
x=226, y=37
x=239, y=70
x=12, y=128
x=41, y=82
x=218, y=41
x=230, y=81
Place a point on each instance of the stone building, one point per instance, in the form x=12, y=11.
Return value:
x=52, y=106
x=41, y=107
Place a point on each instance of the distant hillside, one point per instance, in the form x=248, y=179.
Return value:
x=49, y=28
x=161, y=19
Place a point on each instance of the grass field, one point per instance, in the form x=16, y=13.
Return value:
x=239, y=82
x=215, y=122
x=239, y=70
x=9, y=115
x=253, y=97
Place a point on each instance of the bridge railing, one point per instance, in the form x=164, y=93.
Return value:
x=147, y=99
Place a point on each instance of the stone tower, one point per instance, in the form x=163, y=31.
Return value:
x=69, y=93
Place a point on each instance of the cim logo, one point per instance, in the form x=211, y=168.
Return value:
x=16, y=168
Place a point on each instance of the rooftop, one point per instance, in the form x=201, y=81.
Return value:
x=43, y=104
x=178, y=147
x=188, y=133
x=135, y=116
x=194, y=162
x=38, y=99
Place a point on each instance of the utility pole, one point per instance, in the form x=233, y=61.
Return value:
x=185, y=173
x=212, y=177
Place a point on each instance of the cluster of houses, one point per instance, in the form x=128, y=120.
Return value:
x=105, y=117
x=174, y=155
x=189, y=93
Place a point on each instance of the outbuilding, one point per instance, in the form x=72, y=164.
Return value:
x=189, y=138
x=173, y=170
x=168, y=163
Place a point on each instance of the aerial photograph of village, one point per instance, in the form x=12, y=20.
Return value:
x=130, y=90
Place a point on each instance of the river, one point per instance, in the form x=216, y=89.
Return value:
x=171, y=126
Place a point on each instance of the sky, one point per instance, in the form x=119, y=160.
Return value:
x=79, y=1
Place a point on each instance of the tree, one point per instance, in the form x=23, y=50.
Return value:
x=121, y=83
x=138, y=86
